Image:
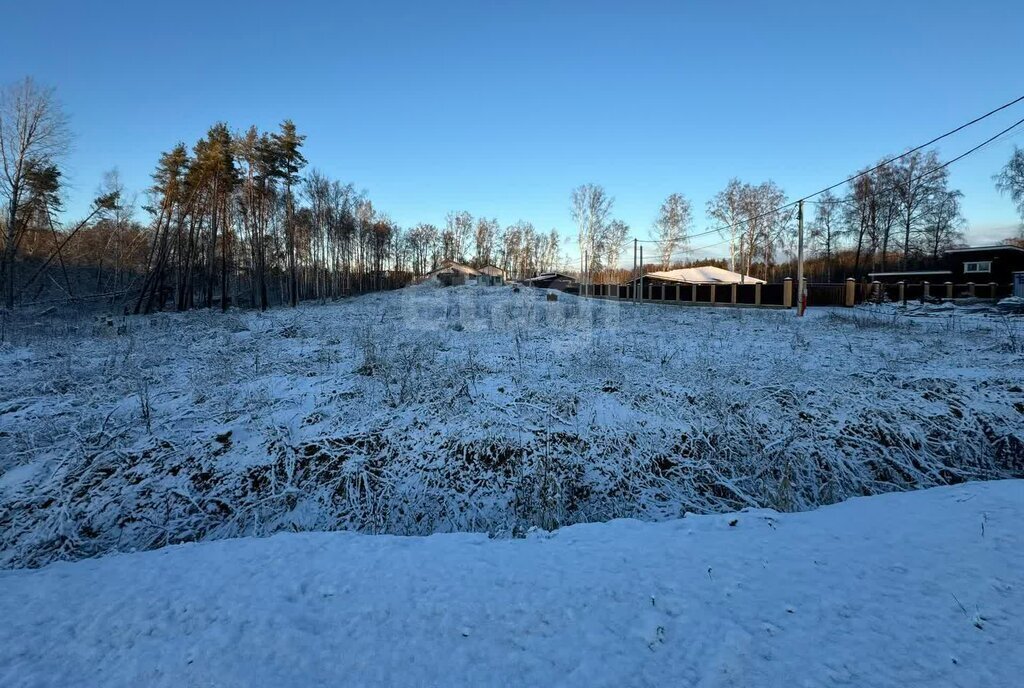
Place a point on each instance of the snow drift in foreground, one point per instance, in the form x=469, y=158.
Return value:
x=913, y=589
x=480, y=409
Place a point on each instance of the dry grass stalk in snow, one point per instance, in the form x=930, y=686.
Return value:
x=482, y=409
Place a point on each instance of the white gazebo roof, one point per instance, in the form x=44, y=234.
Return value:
x=707, y=274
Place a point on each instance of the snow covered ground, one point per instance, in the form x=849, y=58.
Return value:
x=903, y=590
x=479, y=409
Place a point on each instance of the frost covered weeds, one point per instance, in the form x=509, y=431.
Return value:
x=485, y=410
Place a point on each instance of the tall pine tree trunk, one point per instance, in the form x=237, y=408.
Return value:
x=293, y=281
x=211, y=260
x=224, y=262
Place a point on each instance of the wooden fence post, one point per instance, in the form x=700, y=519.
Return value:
x=970, y=288
x=903, y=292
x=851, y=292
x=926, y=290
x=994, y=293
x=876, y=289
x=949, y=290
x=693, y=293
x=733, y=295
x=757, y=294
x=677, y=291
x=787, y=292
x=712, y=294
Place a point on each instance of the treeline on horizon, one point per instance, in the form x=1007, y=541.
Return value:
x=239, y=217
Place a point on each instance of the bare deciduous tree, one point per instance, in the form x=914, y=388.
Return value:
x=942, y=225
x=548, y=257
x=591, y=208
x=918, y=181
x=751, y=220
x=672, y=227
x=486, y=235
x=727, y=208
x=1010, y=181
x=457, y=234
x=824, y=231
x=33, y=135
x=613, y=241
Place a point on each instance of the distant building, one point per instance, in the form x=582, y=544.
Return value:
x=985, y=263
x=554, y=280
x=707, y=274
x=491, y=275
x=451, y=274
x=978, y=264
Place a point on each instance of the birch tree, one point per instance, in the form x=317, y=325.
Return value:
x=485, y=236
x=672, y=227
x=613, y=241
x=591, y=208
x=549, y=255
x=917, y=181
x=458, y=232
x=886, y=211
x=942, y=224
x=726, y=207
x=825, y=229
x=859, y=214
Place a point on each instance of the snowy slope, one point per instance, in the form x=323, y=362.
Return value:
x=912, y=589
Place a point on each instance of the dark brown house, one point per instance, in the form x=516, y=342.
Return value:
x=978, y=264
x=981, y=264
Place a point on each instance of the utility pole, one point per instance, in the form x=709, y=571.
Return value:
x=641, y=274
x=801, y=293
x=586, y=273
x=634, y=269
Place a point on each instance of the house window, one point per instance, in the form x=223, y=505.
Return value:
x=978, y=266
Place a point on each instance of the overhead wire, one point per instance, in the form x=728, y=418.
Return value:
x=868, y=171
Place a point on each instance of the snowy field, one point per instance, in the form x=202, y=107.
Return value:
x=482, y=410
x=922, y=589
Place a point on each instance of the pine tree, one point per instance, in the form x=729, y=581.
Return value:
x=170, y=187
x=290, y=161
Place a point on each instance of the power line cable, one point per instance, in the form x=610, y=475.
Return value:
x=873, y=169
x=991, y=139
x=935, y=169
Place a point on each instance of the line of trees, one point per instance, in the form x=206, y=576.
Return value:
x=519, y=249
x=601, y=238
x=236, y=216
x=240, y=217
x=901, y=215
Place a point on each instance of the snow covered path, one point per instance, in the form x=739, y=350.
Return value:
x=910, y=589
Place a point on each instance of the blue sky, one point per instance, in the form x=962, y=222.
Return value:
x=502, y=108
